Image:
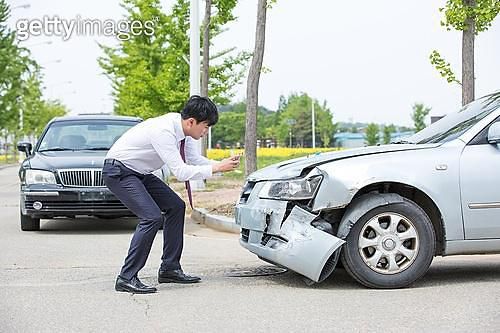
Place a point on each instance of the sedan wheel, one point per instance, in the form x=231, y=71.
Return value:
x=390, y=246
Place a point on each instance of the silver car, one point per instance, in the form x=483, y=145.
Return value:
x=385, y=211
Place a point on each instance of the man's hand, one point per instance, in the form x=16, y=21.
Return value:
x=229, y=164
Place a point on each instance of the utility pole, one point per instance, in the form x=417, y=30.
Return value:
x=313, y=127
x=194, y=66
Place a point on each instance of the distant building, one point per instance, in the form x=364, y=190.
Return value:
x=349, y=140
x=354, y=140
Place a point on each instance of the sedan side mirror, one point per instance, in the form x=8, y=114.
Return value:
x=25, y=147
x=494, y=133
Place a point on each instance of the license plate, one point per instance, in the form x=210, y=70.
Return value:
x=92, y=196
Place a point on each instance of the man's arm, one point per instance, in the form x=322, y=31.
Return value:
x=165, y=145
x=194, y=157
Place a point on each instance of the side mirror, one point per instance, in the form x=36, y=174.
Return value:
x=26, y=147
x=494, y=133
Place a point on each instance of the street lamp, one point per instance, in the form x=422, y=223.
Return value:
x=25, y=6
x=194, y=65
x=47, y=42
x=290, y=123
x=313, y=125
x=50, y=62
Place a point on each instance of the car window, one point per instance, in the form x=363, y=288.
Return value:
x=455, y=124
x=482, y=137
x=83, y=135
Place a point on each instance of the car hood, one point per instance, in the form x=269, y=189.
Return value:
x=52, y=160
x=295, y=167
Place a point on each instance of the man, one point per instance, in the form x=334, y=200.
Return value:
x=146, y=147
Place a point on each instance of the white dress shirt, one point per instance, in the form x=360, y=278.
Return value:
x=155, y=142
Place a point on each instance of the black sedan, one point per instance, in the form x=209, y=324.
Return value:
x=61, y=176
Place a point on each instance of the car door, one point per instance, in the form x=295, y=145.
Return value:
x=480, y=188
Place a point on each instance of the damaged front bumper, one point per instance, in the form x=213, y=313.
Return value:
x=291, y=242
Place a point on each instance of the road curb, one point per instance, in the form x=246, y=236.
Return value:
x=218, y=222
x=4, y=166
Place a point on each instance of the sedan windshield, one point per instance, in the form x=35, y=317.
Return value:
x=83, y=135
x=455, y=124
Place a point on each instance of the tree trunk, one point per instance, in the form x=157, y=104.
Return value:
x=468, y=56
x=253, y=90
x=205, y=63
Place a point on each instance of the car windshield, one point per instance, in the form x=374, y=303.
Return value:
x=83, y=135
x=455, y=124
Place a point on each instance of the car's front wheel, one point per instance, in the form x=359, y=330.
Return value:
x=28, y=223
x=390, y=246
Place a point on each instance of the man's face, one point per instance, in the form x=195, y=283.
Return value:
x=197, y=130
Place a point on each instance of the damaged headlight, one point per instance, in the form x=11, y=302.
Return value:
x=292, y=189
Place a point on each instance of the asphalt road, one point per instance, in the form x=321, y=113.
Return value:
x=61, y=279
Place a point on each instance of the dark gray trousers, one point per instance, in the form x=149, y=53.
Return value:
x=155, y=204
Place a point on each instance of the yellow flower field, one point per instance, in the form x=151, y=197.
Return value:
x=218, y=154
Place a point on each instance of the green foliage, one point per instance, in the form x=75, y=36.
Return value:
x=443, y=67
x=456, y=13
x=230, y=128
x=298, y=108
x=20, y=86
x=37, y=116
x=276, y=126
x=420, y=111
x=388, y=130
x=150, y=73
x=372, y=134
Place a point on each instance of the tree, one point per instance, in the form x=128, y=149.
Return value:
x=418, y=116
x=253, y=90
x=471, y=17
x=40, y=114
x=150, y=72
x=388, y=130
x=230, y=128
x=296, y=116
x=324, y=124
x=372, y=134
x=223, y=16
x=20, y=82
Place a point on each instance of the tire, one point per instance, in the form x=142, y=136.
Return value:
x=390, y=246
x=28, y=223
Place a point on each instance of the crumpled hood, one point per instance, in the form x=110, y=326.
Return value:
x=293, y=168
x=67, y=160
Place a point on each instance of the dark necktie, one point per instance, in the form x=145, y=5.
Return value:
x=188, y=186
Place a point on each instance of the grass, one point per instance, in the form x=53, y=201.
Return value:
x=262, y=162
x=8, y=159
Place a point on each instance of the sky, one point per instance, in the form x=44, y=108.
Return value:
x=368, y=60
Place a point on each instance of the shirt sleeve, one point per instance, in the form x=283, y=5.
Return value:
x=166, y=145
x=193, y=155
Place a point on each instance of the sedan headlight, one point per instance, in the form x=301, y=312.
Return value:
x=292, y=189
x=39, y=177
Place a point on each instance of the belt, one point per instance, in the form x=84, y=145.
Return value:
x=112, y=161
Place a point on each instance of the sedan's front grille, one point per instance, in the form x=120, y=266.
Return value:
x=81, y=177
x=78, y=206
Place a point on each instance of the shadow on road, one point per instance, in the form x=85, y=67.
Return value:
x=469, y=272
x=88, y=226
x=465, y=272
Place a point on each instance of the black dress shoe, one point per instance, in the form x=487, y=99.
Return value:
x=176, y=276
x=134, y=286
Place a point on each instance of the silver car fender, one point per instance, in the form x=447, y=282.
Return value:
x=361, y=206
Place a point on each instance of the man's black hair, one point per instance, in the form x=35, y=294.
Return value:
x=201, y=109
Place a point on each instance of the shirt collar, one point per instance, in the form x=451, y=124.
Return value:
x=179, y=133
